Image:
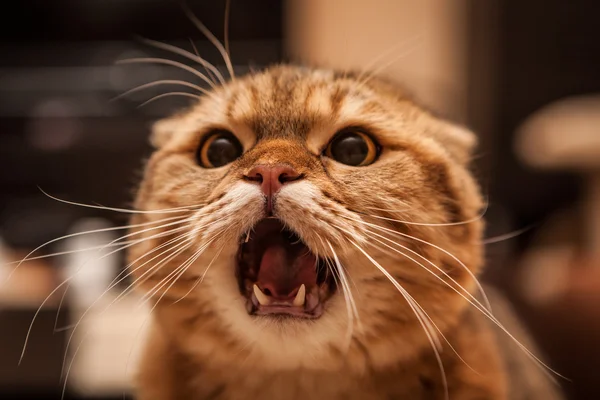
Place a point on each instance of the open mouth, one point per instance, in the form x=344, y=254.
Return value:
x=279, y=275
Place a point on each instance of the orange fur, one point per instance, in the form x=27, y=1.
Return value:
x=204, y=345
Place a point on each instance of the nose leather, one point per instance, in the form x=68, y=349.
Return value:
x=271, y=179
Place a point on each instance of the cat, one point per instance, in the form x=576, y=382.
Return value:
x=319, y=237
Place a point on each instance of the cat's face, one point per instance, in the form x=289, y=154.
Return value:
x=302, y=195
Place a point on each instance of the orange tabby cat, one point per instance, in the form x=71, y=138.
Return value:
x=320, y=239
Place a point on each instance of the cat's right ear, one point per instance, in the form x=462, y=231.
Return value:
x=162, y=131
x=458, y=140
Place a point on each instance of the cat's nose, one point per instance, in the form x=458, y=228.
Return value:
x=271, y=178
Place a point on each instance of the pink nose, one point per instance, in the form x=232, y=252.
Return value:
x=271, y=178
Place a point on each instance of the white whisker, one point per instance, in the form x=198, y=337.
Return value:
x=408, y=42
x=396, y=233
x=152, y=271
x=154, y=60
x=382, y=67
x=468, y=221
x=125, y=210
x=506, y=236
x=446, y=283
x=119, y=279
x=426, y=260
x=66, y=281
x=201, y=278
x=116, y=228
x=348, y=300
x=160, y=96
x=226, y=33
x=157, y=83
x=182, y=268
x=425, y=324
x=202, y=28
x=186, y=54
x=487, y=312
x=159, y=300
x=345, y=283
x=208, y=73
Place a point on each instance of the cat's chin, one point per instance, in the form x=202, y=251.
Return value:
x=279, y=276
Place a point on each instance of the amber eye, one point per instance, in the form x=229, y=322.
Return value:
x=352, y=147
x=219, y=148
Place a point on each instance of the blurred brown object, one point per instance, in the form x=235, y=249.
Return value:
x=37, y=371
x=559, y=278
x=565, y=135
x=29, y=284
x=568, y=328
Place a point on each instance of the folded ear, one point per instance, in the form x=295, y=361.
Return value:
x=162, y=131
x=456, y=139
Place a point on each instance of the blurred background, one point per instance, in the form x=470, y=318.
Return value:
x=523, y=75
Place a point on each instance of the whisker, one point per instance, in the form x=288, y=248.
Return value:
x=196, y=52
x=344, y=280
x=114, y=228
x=350, y=233
x=426, y=260
x=175, y=251
x=479, y=307
x=186, y=54
x=74, y=251
x=155, y=269
x=376, y=60
x=487, y=312
x=35, y=316
x=468, y=221
x=446, y=283
x=226, y=29
x=382, y=67
x=201, y=278
x=174, y=275
x=66, y=281
x=125, y=210
x=193, y=257
x=506, y=236
x=116, y=281
x=471, y=274
x=336, y=278
x=206, y=32
x=26, y=258
x=156, y=83
x=154, y=60
x=153, y=307
x=347, y=296
x=160, y=96
x=431, y=335
x=389, y=210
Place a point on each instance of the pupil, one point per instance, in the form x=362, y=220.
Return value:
x=223, y=151
x=350, y=149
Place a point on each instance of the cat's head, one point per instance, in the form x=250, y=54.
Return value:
x=308, y=213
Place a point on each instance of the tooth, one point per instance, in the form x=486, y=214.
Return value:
x=247, y=237
x=262, y=298
x=300, y=296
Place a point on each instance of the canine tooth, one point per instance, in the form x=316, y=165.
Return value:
x=247, y=237
x=261, y=297
x=300, y=296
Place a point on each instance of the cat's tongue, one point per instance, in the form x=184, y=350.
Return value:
x=284, y=267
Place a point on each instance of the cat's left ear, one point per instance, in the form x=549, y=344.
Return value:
x=458, y=140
